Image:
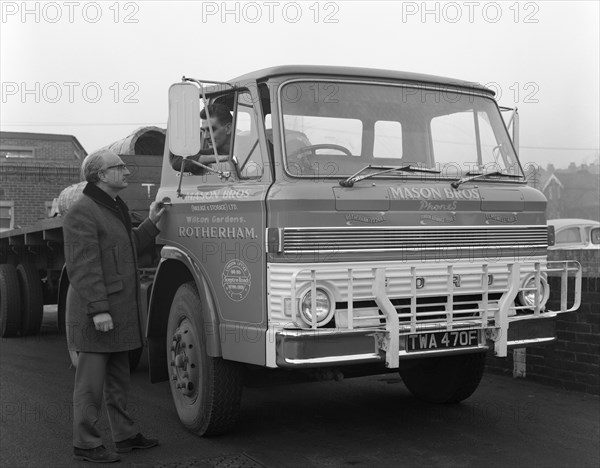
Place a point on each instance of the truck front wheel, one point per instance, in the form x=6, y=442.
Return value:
x=444, y=379
x=206, y=390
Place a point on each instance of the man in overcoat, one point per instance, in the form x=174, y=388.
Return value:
x=104, y=305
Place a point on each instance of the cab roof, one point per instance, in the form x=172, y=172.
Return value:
x=356, y=72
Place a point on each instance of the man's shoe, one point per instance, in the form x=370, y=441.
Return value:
x=136, y=442
x=96, y=455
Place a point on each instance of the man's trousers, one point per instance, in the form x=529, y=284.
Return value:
x=98, y=372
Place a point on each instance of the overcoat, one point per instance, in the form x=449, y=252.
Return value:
x=101, y=259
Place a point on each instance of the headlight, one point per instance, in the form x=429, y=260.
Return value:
x=323, y=307
x=526, y=296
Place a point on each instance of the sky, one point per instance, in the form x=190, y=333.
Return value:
x=100, y=70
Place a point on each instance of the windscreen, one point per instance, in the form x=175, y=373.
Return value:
x=337, y=128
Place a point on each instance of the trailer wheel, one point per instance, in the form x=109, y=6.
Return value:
x=61, y=313
x=444, y=379
x=10, y=301
x=32, y=298
x=206, y=390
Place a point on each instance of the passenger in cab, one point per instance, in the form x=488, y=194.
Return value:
x=221, y=122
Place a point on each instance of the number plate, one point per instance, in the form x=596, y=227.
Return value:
x=442, y=340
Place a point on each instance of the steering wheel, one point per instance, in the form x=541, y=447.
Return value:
x=314, y=148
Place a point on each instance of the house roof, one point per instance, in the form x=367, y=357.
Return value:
x=580, y=191
x=582, y=179
x=42, y=136
x=550, y=179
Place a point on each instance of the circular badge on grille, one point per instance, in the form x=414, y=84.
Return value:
x=236, y=280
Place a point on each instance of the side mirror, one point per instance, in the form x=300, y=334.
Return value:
x=183, y=129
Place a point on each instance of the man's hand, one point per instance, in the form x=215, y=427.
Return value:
x=157, y=209
x=103, y=322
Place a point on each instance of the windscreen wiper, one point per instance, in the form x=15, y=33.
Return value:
x=481, y=175
x=350, y=181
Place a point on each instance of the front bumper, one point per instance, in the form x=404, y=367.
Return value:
x=298, y=349
x=500, y=324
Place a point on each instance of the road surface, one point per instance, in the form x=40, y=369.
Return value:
x=366, y=422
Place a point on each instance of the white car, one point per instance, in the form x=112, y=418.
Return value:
x=574, y=233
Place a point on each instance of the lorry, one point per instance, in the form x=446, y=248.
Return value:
x=364, y=221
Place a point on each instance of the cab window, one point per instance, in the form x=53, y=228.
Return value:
x=388, y=140
x=247, y=153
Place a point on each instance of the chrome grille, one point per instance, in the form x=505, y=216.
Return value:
x=357, y=239
x=466, y=309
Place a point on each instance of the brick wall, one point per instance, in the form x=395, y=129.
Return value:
x=572, y=361
x=589, y=260
x=30, y=184
x=50, y=149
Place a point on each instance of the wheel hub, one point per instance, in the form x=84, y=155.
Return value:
x=184, y=362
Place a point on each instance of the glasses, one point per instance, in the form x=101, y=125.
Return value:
x=116, y=166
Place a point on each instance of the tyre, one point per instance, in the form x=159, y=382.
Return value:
x=444, y=379
x=10, y=301
x=63, y=289
x=206, y=390
x=32, y=299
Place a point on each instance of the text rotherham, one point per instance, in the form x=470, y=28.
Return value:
x=214, y=232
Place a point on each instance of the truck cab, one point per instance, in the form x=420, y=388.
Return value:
x=362, y=221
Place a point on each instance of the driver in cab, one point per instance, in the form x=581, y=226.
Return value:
x=221, y=123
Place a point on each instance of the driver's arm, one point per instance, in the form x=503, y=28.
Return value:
x=202, y=157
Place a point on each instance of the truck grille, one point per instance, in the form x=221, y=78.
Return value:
x=357, y=239
x=429, y=310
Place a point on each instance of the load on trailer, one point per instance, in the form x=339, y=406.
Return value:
x=363, y=221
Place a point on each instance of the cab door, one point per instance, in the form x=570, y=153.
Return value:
x=220, y=222
x=239, y=265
